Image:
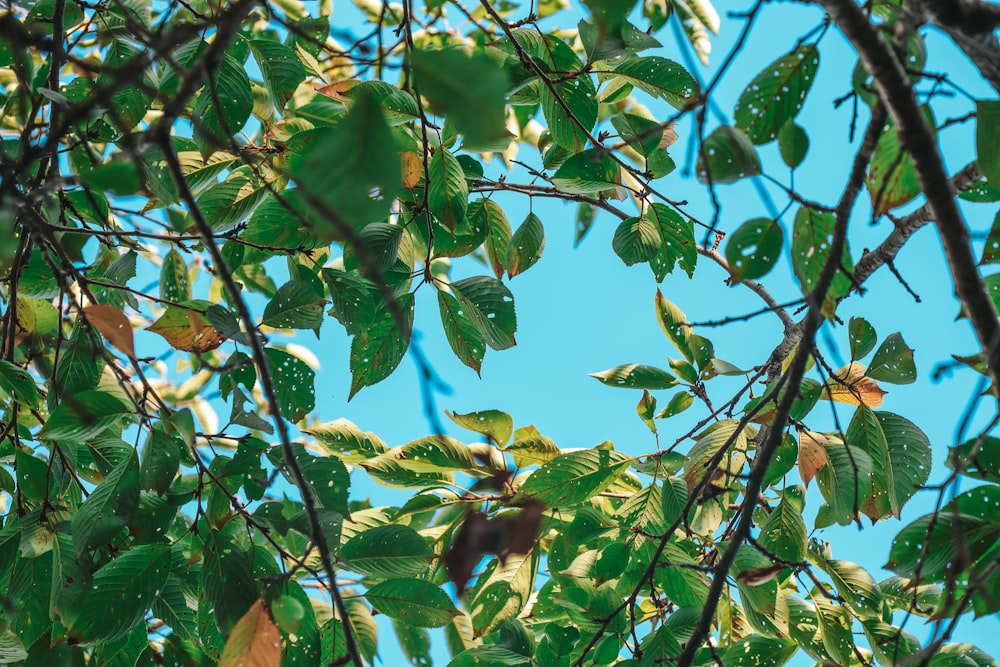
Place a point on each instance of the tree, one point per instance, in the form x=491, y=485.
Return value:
x=225, y=175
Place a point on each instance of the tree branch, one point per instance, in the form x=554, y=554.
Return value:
x=972, y=24
x=898, y=96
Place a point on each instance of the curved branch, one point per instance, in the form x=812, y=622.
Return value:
x=898, y=96
x=971, y=24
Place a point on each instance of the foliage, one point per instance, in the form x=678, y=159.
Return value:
x=177, y=167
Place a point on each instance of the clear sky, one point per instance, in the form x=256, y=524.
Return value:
x=581, y=310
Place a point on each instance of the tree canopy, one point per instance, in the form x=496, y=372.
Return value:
x=229, y=176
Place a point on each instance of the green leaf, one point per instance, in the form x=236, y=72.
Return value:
x=636, y=240
x=726, y=156
x=784, y=533
x=296, y=305
x=696, y=349
x=347, y=441
x=228, y=203
x=863, y=337
x=414, y=601
x=398, y=105
x=893, y=362
x=754, y=248
x=673, y=499
x=981, y=192
x=723, y=437
x=386, y=552
x=466, y=340
x=909, y=454
x=108, y=508
x=590, y=172
x=678, y=245
x=978, y=458
x=570, y=479
x=580, y=96
x=160, y=461
x=122, y=593
x=227, y=580
x=845, y=481
x=223, y=112
x=83, y=415
x=376, y=352
x=531, y=447
x=434, y=453
x=525, y=246
x=811, y=235
x=636, y=376
x=470, y=90
x=497, y=242
x=793, y=143
x=991, y=251
x=448, y=192
x=329, y=480
x=490, y=656
x=18, y=383
x=758, y=651
x=891, y=645
x=490, y=306
x=353, y=169
x=892, y=178
x=494, y=424
x=865, y=432
x=293, y=384
x=856, y=586
x=174, y=284
x=661, y=78
x=988, y=139
x=281, y=68
x=775, y=96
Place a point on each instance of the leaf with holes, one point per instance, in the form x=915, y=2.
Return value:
x=293, y=384
x=281, y=68
x=677, y=243
x=850, y=385
x=466, y=340
x=727, y=156
x=812, y=234
x=775, y=96
x=988, y=139
x=296, y=305
x=754, y=248
x=673, y=321
x=661, y=78
x=490, y=306
x=186, y=329
x=448, y=191
x=893, y=362
x=846, y=481
x=376, y=352
x=525, y=246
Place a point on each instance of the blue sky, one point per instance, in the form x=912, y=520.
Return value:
x=581, y=310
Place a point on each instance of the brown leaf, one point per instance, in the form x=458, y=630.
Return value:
x=338, y=89
x=480, y=535
x=849, y=385
x=812, y=454
x=254, y=641
x=413, y=168
x=669, y=137
x=758, y=576
x=113, y=325
x=185, y=329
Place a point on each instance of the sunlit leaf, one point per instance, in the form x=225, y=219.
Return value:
x=254, y=641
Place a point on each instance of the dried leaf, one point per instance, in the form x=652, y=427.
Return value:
x=812, y=454
x=186, y=329
x=254, y=641
x=669, y=137
x=480, y=535
x=338, y=89
x=759, y=576
x=849, y=385
x=413, y=168
x=113, y=325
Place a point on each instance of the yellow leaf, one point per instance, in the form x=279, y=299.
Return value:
x=413, y=168
x=812, y=454
x=113, y=325
x=254, y=641
x=849, y=385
